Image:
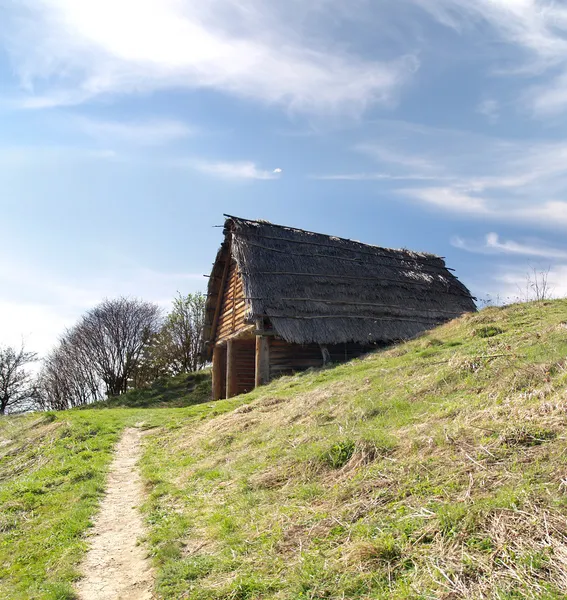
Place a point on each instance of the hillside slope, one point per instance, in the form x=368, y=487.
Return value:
x=177, y=391
x=53, y=468
x=435, y=469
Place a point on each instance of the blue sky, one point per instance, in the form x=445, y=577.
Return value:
x=128, y=127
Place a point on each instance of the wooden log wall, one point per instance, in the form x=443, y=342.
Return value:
x=287, y=358
x=233, y=307
x=244, y=365
x=344, y=352
x=290, y=358
x=219, y=372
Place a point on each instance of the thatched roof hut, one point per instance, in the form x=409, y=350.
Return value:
x=307, y=288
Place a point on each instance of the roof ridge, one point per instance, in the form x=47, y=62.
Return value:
x=326, y=235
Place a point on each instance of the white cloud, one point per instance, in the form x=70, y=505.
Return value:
x=534, y=25
x=87, y=48
x=374, y=177
x=233, y=170
x=493, y=245
x=449, y=199
x=471, y=175
x=512, y=283
x=21, y=157
x=37, y=326
x=388, y=154
x=490, y=109
x=538, y=28
x=547, y=214
x=37, y=305
x=149, y=133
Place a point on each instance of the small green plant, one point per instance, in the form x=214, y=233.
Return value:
x=487, y=332
x=525, y=435
x=385, y=549
x=339, y=454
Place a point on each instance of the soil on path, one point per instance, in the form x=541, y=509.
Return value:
x=116, y=567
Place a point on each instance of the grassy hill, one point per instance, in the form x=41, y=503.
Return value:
x=434, y=469
x=166, y=392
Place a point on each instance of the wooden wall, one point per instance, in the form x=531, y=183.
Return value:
x=245, y=362
x=289, y=358
x=233, y=307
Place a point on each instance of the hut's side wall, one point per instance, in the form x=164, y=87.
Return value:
x=244, y=361
x=288, y=358
x=233, y=307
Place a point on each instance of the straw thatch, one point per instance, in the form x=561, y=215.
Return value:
x=329, y=290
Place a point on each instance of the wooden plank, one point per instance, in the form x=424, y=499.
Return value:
x=246, y=333
x=217, y=372
x=231, y=382
x=234, y=300
x=262, y=360
x=221, y=293
x=326, y=355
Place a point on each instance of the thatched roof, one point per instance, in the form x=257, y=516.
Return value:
x=329, y=290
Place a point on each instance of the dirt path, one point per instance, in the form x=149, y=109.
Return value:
x=116, y=567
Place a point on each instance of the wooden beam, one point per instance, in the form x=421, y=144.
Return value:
x=231, y=389
x=218, y=373
x=326, y=355
x=247, y=332
x=266, y=332
x=262, y=360
x=220, y=294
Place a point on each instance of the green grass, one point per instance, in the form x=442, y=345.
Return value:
x=434, y=469
x=52, y=475
x=166, y=392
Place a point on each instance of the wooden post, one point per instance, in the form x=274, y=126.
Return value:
x=262, y=360
x=217, y=372
x=326, y=355
x=230, y=370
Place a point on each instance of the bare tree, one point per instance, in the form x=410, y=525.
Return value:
x=537, y=285
x=112, y=337
x=182, y=335
x=67, y=378
x=100, y=355
x=17, y=384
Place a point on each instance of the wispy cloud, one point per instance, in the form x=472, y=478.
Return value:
x=149, y=133
x=492, y=244
x=471, y=175
x=537, y=28
x=239, y=170
x=551, y=214
x=388, y=154
x=373, y=177
x=490, y=109
x=512, y=283
x=22, y=156
x=451, y=199
x=67, y=51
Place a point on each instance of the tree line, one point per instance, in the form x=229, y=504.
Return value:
x=118, y=345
